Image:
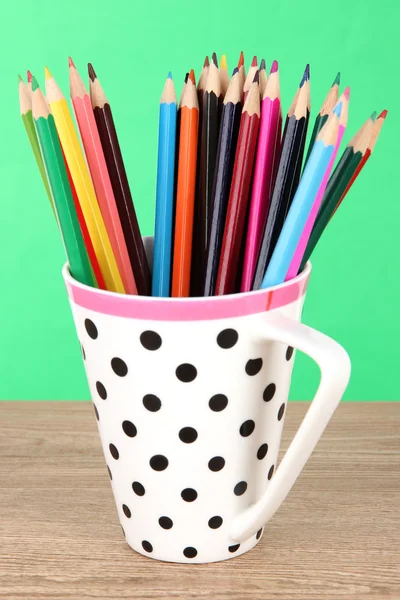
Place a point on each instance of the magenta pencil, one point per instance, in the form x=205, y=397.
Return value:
x=268, y=147
x=298, y=255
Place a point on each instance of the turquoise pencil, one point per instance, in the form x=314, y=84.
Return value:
x=303, y=201
x=161, y=281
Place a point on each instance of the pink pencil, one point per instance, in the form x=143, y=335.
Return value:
x=101, y=179
x=298, y=255
x=268, y=147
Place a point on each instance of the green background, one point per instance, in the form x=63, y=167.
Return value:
x=354, y=291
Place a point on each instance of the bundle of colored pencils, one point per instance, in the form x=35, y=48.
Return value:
x=236, y=208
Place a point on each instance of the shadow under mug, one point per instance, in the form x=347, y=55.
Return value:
x=190, y=396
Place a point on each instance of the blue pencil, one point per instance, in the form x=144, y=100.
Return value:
x=161, y=281
x=303, y=201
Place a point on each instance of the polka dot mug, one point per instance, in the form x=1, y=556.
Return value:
x=190, y=397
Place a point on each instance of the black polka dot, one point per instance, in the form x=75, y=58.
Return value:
x=218, y=402
x=101, y=390
x=150, y=340
x=190, y=552
x=258, y=534
x=186, y=373
x=247, y=428
x=240, y=488
x=159, y=462
x=165, y=522
x=281, y=411
x=83, y=352
x=127, y=511
x=123, y=531
x=227, y=338
x=96, y=412
x=147, y=546
x=216, y=464
x=129, y=428
x=151, y=402
x=262, y=451
x=234, y=548
x=188, y=435
x=138, y=488
x=269, y=392
x=289, y=352
x=91, y=329
x=271, y=472
x=119, y=367
x=114, y=451
x=109, y=472
x=253, y=366
x=189, y=494
x=215, y=522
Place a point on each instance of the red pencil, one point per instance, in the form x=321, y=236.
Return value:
x=239, y=193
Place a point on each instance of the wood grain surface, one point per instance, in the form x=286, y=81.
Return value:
x=337, y=535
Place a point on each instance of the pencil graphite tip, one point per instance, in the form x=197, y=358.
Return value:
x=223, y=63
x=206, y=62
x=346, y=93
x=338, y=109
x=47, y=74
x=29, y=76
x=262, y=64
x=274, y=67
x=307, y=72
x=186, y=77
x=235, y=70
x=336, y=81
x=35, y=84
x=241, y=60
x=169, y=76
x=373, y=116
x=71, y=62
x=254, y=62
x=383, y=114
x=256, y=77
x=92, y=72
x=192, y=77
x=20, y=79
x=214, y=59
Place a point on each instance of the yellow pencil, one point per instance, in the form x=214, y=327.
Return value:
x=83, y=185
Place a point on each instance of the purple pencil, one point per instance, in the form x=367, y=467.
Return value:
x=268, y=147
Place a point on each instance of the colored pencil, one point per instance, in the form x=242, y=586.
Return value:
x=284, y=188
x=224, y=76
x=101, y=180
x=338, y=182
x=25, y=103
x=298, y=255
x=119, y=181
x=185, y=190
x=83, y=184
x=303, y=201
x=161, y=280
x=374, y=136
x=263, y=78
x=250, y=77
x=268, y=146
x=326, y=109
x=208, y=155
x=242, y=70
x=201, y=84
x=297, y=176
x=239, y=192
x=57, y=176
x=228, y=135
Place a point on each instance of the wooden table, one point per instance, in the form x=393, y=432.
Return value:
x=337, y=535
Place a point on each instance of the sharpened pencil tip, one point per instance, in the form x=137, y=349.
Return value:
x=20, y=79
x=35, y=84
x=223, y=63
x=169, y=75
x=47, y=74
x=336, y=81
x=215, y=59
x=206, y=62
x=346, y=93
x=92, y=72
x=29, y=76
x=256, y=77
x=274, y=67
x=71, y=62
x=241, y=60
x=186, y=77
x=307, y=71
x=254, y=61
x=262, y=64
x=338, y=109
x=192, y=77
x=235, y=70
x=383, y=114
x=373, y=116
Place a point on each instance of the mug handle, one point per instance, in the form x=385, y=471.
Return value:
x=335, y=368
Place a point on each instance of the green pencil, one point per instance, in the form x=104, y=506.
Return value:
x=338, y=182
x=25, y=103
x=61, y=191
x=326, y=109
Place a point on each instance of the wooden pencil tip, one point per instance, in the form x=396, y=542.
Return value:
x=20, y=79
x=186, y=77
x=223, y=63
x=256, y=77
x=29, y=76
x=91, y=71
x=336, y=81
x=262, y=64
x=373, y=116
x=47, y=74
x=305, y=76
x=235, y=70
x=274, y=67
x=71, y=62
x=35, y=84
x=307, y=71
x=346, y=93
x=206, y=62
x=383, y=114
x=169, y=76
x=254, y=62
x=241, y=60
x=214, y=59
x=192, y=77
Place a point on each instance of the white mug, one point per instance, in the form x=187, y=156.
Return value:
x=190, y=395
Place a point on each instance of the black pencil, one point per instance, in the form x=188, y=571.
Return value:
x=303, y=141
x=228, y=135
x=284, y=188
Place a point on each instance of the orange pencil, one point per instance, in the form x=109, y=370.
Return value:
x=185, y=190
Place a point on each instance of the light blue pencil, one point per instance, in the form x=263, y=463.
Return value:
x=165, y=191
x=303, y=201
